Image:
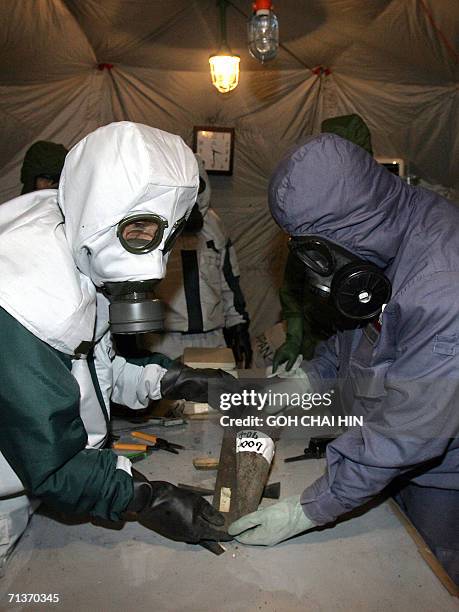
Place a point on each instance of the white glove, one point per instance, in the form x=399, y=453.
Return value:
x=295, y=372
x=272, y=525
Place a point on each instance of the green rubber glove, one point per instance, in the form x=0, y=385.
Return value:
x=289, y=351
x=272, y=525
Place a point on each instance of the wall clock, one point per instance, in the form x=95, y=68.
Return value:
x=215, y=146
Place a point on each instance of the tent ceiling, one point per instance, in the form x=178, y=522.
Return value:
x=180, y=35
x=394, y=62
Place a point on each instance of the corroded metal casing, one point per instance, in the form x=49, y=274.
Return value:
x=245, y=463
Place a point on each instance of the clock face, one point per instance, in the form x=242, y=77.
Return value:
x=215, y=149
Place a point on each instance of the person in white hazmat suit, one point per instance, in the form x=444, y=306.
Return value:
x=204, y=304
x=125, y=193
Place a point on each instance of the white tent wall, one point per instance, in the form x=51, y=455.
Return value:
x=391, y=61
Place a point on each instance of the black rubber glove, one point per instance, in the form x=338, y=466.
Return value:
x=175, y=513
x=182, y=382
x=238, y=339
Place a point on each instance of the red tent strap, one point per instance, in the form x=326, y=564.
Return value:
x=104, y=65
x=440, y=34
x=318, y=70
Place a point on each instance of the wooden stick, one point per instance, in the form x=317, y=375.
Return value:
x=205, y=463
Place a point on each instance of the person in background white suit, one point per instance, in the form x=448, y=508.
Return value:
x=205, y=306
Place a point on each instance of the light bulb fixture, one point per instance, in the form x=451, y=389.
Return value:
x=224, y=66
x=263, y=31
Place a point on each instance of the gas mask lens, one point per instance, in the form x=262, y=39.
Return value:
x=314, y=254
x=141, y=233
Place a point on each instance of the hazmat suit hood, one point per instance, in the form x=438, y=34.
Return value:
x=51, y=264
x=332, y=188
x=41, y=286
x=120, y=170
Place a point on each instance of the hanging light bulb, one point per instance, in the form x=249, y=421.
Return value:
x=263, y=30
x=224, y=70
x=224, y=66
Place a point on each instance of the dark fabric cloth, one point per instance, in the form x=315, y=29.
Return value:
x=435, y=512
x=233, y=283
x=41, y=158
x=190, y=267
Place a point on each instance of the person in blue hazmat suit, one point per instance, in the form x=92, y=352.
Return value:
x=204, y=304
x=78, y=264
x=306, y=324
x=385, y=256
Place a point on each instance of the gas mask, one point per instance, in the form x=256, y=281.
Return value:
x=356, y=289
x=134, y=307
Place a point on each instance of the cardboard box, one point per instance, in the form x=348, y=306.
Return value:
x=209, y=358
